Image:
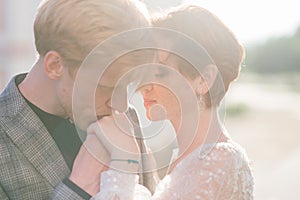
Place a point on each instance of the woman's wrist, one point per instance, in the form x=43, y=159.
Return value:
x=127, y=160
x=129, y=164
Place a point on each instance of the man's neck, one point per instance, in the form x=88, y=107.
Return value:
x=40, y=91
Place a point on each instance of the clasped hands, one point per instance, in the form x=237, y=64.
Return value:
x=110, y=143
x=116, y=134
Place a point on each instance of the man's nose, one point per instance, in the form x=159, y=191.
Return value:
x=118, y=101
x=108, y=103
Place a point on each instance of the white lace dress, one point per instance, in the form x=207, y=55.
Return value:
x=213, y=171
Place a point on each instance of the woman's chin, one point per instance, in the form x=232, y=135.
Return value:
x=155, y=117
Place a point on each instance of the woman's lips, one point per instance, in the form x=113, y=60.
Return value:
x=148, y=102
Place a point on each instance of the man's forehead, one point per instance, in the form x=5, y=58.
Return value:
x=120, y=75
x=122, y=70
x=111, y=78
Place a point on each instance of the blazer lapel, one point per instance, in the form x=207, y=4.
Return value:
x=32, y=138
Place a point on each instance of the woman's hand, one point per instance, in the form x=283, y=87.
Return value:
x=117, y=136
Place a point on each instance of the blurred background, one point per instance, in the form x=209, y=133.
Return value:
x=262, y=106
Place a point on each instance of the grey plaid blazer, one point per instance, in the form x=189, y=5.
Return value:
x=31, y=165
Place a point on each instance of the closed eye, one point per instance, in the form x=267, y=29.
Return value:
x=161, y=73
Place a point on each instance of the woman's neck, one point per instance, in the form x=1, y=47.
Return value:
x=209, y=130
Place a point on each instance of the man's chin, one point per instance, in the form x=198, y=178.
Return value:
x=84, y=124
x=101, y=116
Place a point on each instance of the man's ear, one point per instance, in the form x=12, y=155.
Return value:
x=204, y=83
x=53, y=65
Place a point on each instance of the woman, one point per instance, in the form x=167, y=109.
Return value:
x=210, y=165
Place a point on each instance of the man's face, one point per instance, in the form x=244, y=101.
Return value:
x=110, y=94
x=86, y=101
x=90, y=95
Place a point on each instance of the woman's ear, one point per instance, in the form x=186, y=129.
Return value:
x=53, y=65
x=204, y=83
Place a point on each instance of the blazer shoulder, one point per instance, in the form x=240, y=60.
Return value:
x=11, y=100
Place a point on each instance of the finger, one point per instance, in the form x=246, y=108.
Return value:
x=123, y=123
x=152, y=160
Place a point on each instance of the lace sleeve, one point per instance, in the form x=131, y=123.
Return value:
x=121, y=186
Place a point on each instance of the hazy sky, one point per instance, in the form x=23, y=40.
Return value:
x=255, y=20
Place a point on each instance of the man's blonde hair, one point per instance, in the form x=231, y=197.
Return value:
x=74, y=27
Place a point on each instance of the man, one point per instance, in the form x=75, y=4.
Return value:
x=38, y=141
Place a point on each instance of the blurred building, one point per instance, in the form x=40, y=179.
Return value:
x=17, y=51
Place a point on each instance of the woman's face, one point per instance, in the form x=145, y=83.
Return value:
x=164, y=97
x=160, y=102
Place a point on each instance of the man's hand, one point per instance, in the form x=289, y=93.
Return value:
x=92, y=159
